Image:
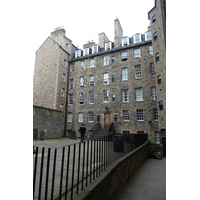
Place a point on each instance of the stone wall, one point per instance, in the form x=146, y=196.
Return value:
x=49, y=119
x=114, y=87
x=106, y=186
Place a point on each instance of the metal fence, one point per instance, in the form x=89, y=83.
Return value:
x=61, y=172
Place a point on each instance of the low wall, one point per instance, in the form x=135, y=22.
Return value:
x=49, y=119
x=106, y=186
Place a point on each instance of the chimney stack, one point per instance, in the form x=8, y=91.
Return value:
x=102, y=39
x=118, y=32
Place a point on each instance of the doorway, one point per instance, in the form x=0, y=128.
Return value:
x=107, y=119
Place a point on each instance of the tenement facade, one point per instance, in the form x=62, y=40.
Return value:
x=121, y=81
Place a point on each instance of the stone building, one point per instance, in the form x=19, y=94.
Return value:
x=121, y=82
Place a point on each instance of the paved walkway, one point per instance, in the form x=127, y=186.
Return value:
x=147, y=183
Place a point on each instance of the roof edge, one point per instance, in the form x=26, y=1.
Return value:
x=151, y=10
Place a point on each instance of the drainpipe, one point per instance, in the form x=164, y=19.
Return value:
x=65, y=118
x=164, y=11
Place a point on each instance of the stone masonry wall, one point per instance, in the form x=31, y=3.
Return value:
x=160, y=66
x=115, y=107
x=51, y=120
x=48, y=81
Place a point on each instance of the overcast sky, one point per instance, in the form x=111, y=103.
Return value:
x=84, y=20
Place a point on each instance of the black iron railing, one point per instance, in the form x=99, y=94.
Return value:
x=60, y=172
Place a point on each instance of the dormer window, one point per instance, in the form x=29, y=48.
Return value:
x=85, y=51
x=78, y=53
x=95, y=49
x=125, y=41
x=137, y=38
x=148, y=35
x=108, y=46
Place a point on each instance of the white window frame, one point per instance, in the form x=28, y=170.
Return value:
x=78, y=53
x=81, y=98
x=124, y=55
x=82, y=81
x=69, y=117
x=91, y=97
x=82, y=63
x=70, y=99
x=86, y=52
x=137, y=38
x=108, y=46
x=106, y=78
x=139, y=94
x=126, y=116
x=124, y=73
x=140, y=115
x=92, y=63
x=91, y=80
x=148, y=36
x=95, y=49
x=80, y=117
x=105, y=60
x=138, y=71
x=125, y=95
x=90, y=117
x=151, y=50
x=137, y=53
x=105, y=96
x=153, y=92
x=125, y=41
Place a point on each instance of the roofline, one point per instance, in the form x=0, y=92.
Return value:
x=55, y=42
x=111, y=51
x=151, y=10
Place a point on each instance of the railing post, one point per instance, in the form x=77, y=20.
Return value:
x=79, y=152
x=35, y=171
x=83, y=164
x=53, y=177
x=47, y=174
x=67, y=172
x=61, y=176
x=72, y=186
x=94, y=161
x=91, y=162
x=87, y=162
x=41, y=173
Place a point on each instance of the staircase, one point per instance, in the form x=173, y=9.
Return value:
x=100, y=132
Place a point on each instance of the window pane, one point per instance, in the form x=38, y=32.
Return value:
x=139, y=94
x=125, y=74
x=138, y=71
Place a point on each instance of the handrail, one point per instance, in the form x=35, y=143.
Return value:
x=111, y=128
